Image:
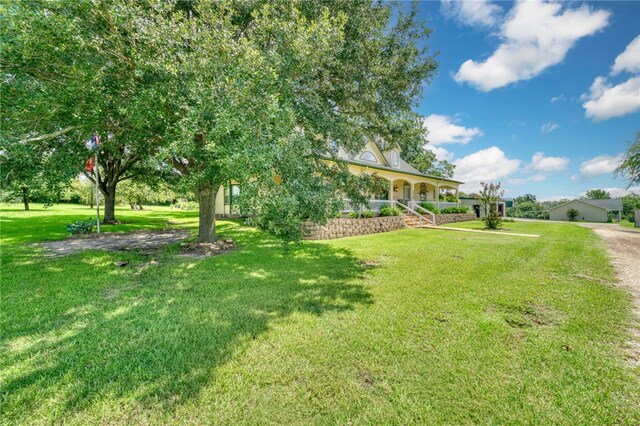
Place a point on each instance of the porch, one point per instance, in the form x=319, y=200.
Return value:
x=411, y=193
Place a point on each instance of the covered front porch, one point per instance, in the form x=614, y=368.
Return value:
x=415, y=191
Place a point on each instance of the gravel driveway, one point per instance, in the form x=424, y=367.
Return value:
x=624, y=248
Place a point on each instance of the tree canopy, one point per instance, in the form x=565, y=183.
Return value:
x=597, y=194
x=202, y=93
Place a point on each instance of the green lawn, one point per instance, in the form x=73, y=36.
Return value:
x=408, y=327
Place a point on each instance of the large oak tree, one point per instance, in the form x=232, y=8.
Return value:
x=221, y=91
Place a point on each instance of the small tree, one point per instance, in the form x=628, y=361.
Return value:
x=572, y=214
x=489, y=197
x=630, y=165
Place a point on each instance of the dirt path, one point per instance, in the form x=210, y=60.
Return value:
x=624, y=248
x=139, y=240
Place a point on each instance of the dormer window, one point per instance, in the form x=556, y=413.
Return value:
x=396, y=159
x=368, y=156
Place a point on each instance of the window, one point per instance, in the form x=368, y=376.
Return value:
x=396, y=159
x=368, y=156
x=235, y=190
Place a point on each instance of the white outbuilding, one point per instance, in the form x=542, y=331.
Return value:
x=589, y=210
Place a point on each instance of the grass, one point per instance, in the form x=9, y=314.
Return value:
x=412, y=326
x=627, y=224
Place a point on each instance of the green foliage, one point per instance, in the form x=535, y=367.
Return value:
x=528, y=209
x=367, y=214
x=81, y=227
x=597, y=194
x=492, y=220
x=489, y=196
x=457, y=209
x=572, y=214
x=629, y=168
x=337, y=215
x=185, y=341
x=389, y=211
x=202, y=94
x=630, y=203
x=526, y=198
x=353, y=215
x=425, y=161
x=429, y=206
x=184, y=205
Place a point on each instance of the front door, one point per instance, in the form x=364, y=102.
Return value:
x=407, y=191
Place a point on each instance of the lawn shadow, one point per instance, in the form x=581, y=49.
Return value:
x=158, y=336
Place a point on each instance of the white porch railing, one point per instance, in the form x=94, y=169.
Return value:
x=374, y=205
x=417, y=206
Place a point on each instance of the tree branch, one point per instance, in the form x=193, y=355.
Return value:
x=49, y=135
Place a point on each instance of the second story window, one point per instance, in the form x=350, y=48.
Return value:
x=368, y=156
x=396, y=159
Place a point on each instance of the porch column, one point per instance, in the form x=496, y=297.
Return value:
x=391, y=193
x=438, y=195
x=457, y=197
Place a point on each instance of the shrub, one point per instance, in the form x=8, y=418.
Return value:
x=390, y=211
x=184, y=205
x=81, y=227
x=457, y=209
x=572, y=214
x=492, y=220
x=338, y=215
x=353, y=215
x=368, y=214
x=429, y=206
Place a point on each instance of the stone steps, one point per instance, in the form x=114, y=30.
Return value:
x=413, y=221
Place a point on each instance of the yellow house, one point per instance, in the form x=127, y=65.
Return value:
x=406, y=185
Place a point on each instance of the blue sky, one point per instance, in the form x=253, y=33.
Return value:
x=541, y=96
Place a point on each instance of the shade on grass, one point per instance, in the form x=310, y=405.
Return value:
x=413, y=326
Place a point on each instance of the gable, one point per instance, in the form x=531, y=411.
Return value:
x=371, y=154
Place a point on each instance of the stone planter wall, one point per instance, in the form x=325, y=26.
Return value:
x=441, y=219
x=339, y=228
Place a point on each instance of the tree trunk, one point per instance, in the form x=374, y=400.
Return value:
x=207, y=221
x=25, y=197
x=109, y=204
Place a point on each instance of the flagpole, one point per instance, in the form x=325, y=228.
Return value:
x=97, y=194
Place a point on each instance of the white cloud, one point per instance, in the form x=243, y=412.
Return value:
x=559, y=98
x=541, y=163
x=629, y=60
x=441, y=153
x=621, y=192
x=599, y=165
x=442, y=130
x=535, y=178
x=549, y=127
x=487, y=165
x=474, y=13
x=536, y=35
x=605, y=101
x=575, y=178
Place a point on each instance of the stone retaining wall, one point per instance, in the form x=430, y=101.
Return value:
x=339, y=228
x=441, y=219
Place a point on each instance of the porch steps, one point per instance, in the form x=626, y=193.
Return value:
x=413, y=221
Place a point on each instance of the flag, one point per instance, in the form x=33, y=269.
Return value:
x=94, y=142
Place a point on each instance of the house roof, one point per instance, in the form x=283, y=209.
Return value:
x=403, y=166
x=609, y=204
